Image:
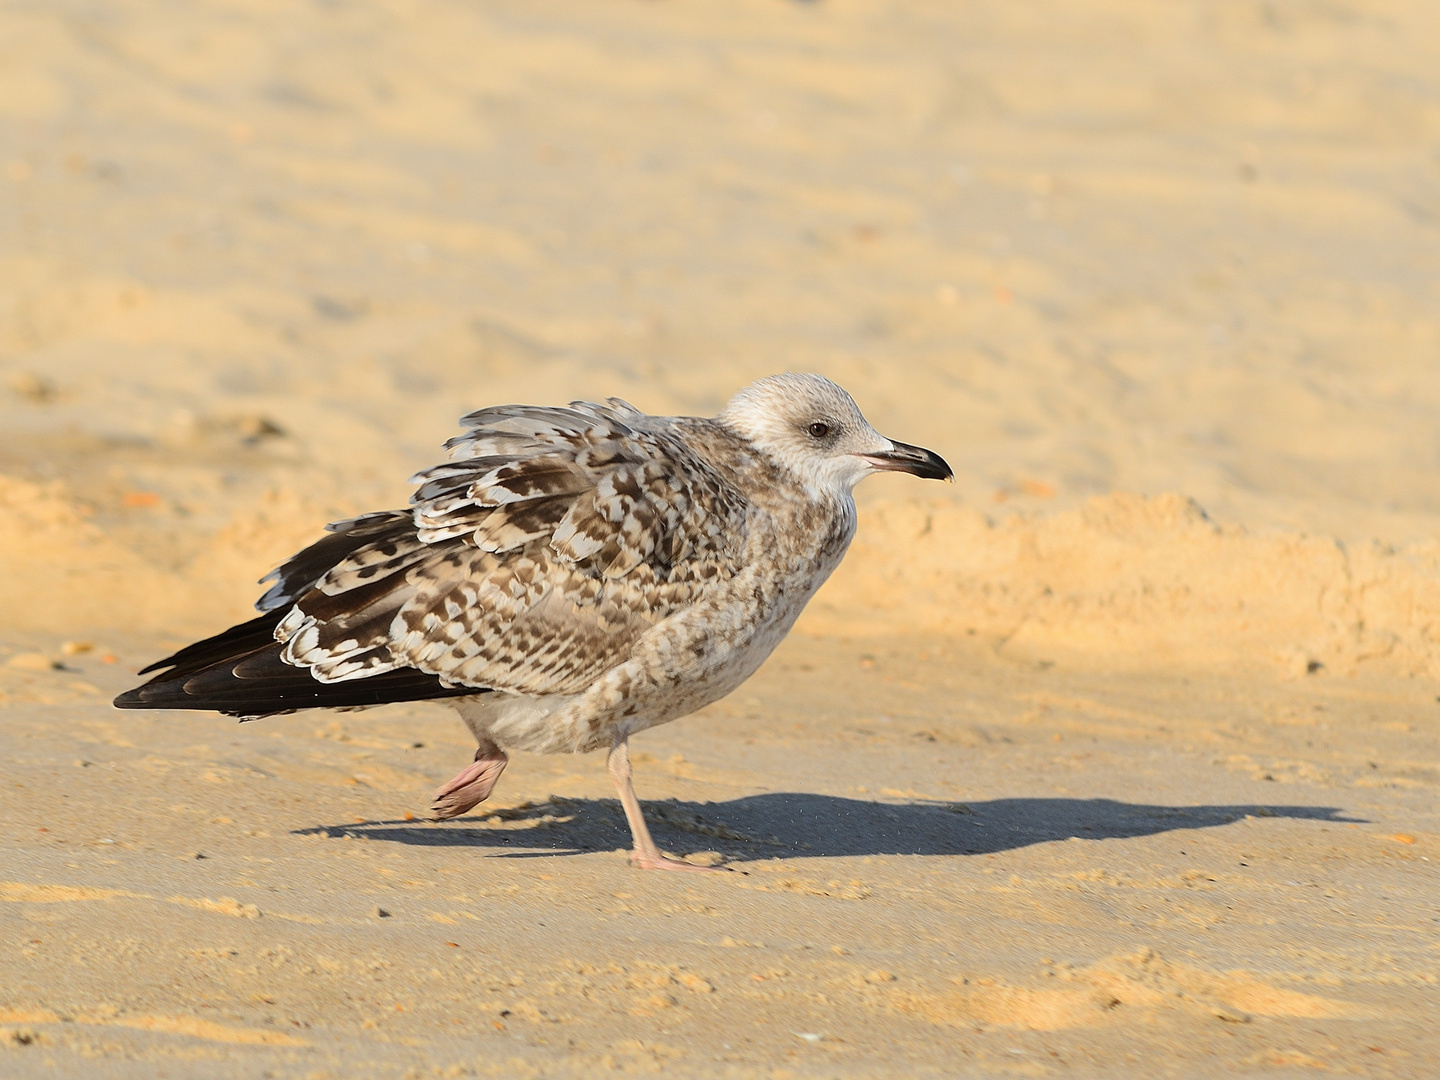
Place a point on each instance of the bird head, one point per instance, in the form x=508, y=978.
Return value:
x=813, y=429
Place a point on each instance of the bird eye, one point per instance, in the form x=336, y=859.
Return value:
x=819, y=429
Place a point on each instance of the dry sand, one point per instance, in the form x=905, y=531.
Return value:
x=1061, y=775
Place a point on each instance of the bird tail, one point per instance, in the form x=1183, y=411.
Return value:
x=240, y=673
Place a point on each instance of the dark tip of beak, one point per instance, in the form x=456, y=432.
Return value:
x=916, y=460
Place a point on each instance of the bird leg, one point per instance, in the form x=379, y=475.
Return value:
x=645, y=856
x=473, y=785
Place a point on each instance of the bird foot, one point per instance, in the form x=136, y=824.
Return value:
x=471, y=787
x=660, y=862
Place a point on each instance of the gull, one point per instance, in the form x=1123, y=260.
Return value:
x=567, y=578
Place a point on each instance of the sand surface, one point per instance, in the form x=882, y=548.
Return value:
x=1118, y=758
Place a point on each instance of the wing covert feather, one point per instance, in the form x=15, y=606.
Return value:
x=531, y=561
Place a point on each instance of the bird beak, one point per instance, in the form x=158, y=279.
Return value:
x=902, y=457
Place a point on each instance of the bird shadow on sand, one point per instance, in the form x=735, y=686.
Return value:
x=797, y=825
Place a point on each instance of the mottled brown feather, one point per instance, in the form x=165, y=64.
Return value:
x=532, y=561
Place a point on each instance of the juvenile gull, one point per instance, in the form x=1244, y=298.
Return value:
x=567, y=578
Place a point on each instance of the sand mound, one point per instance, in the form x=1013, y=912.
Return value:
x=1101, y=992
x=1136, y=582
x=65, y=575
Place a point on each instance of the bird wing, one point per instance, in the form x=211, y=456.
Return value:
x=532, y=561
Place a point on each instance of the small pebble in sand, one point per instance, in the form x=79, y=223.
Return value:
x=32, y=387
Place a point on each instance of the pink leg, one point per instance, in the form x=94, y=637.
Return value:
x=472, y=786
x=646, y=855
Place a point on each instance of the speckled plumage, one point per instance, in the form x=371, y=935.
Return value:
x=632, y=568
x=583, y=573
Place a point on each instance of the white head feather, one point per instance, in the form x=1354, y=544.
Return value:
x=813, y=429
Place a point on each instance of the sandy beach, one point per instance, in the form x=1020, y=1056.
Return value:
x=1117, y=758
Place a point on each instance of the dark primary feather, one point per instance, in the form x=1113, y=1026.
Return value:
x=298, y=574
x=240, y=673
